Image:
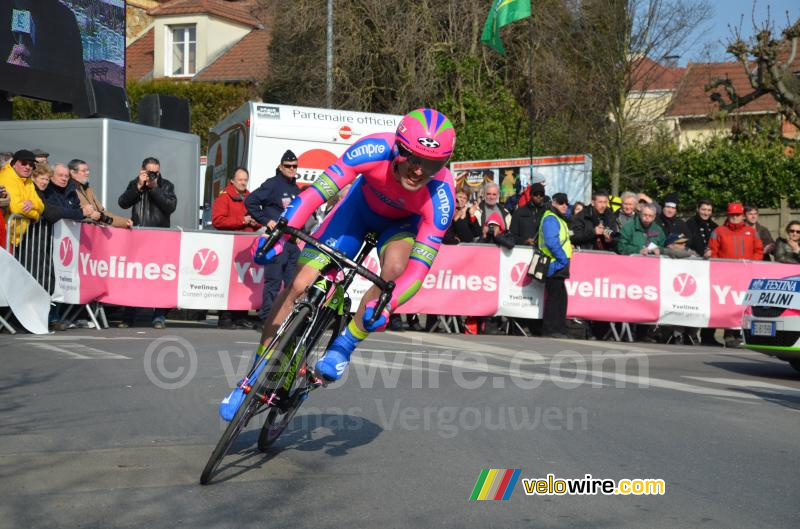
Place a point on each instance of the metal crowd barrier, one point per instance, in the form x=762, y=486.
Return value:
x=35, y=253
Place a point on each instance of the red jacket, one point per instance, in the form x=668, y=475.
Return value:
x=228, y=211
x=736, y=241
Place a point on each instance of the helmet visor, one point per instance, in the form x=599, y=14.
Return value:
x=429, y=167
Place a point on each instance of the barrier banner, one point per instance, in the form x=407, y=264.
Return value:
x=213, y=270
x=67, y=285
x=461, y=276
x=610, y=287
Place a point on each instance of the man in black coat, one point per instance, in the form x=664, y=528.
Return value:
x=266, y=204
x=151, y=196
x=668, y=219
x=525, y=219
x=153, y=200
x=595, y=227
x=700, y=227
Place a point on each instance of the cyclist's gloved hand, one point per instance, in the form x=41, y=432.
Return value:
x=382, y=320
x=258, y=244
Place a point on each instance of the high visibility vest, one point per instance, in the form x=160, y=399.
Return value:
x=563, y=236
x=615, y=203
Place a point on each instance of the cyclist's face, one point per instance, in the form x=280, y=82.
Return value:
x=411, y=177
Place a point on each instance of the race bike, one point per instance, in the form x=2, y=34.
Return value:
x=283, y=377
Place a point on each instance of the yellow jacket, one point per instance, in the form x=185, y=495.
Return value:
x=19, y=190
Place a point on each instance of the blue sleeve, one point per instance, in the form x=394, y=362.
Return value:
x=551, y=230
x=261, y=203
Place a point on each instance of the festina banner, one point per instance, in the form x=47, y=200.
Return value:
x=774, y=292
x=213, y=270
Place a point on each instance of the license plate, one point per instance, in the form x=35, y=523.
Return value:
x=762, y=328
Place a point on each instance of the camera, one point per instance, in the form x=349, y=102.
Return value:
x=152, y=175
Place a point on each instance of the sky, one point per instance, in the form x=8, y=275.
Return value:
x=709, y=41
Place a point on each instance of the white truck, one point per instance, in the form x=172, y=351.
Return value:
x=255, y=136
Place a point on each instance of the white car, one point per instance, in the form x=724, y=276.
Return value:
x=771, y=320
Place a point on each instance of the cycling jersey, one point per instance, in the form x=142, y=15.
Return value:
x=377, y=202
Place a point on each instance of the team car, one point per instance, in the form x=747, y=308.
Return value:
x=771, y=319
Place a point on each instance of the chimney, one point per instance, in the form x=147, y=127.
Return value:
x=671, y=61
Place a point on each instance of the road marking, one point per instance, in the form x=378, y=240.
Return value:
x=74, y=338
x=646, y=382
x=79, y=351
x=750, y=384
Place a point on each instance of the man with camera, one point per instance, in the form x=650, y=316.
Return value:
x=153, y=200
x=79, y=173
x=151, y=196
x=595, y=227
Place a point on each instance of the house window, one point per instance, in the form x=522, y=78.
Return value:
x=181, y=50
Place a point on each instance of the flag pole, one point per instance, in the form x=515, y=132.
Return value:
x=530, y=99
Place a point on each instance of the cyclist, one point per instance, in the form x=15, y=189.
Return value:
x=400, y=189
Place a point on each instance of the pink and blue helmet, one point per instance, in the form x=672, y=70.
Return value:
x=426, y=137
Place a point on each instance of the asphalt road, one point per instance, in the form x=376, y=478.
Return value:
x=111, y=429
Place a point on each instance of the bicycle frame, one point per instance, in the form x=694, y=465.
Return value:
x=326, y=298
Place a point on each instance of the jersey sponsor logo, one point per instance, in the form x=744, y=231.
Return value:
x=428, y=142
x=386, y=199
x=424, y=254
x=365, y=151
x=336, y=169
x=442, y=207
x=435, y=239
x=326, y=186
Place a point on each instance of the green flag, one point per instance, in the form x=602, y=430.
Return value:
x=502, y=13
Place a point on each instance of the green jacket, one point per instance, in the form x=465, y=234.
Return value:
x=633, y=237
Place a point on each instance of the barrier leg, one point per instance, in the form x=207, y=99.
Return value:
x=7, y=325
x=512, y=320
x=612, y=330
x=626, y=331
x=91, y=316
x=102, y=311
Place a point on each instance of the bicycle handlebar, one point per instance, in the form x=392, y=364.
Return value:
x=282, y=227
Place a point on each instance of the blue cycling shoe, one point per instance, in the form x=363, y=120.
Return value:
x=332, y=366
x=231, y=403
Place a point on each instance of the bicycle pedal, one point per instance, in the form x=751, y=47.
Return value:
x=317, y=382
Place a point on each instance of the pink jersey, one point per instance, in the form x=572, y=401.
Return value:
x=372, y=158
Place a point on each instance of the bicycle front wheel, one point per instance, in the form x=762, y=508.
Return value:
x=278, y=419
x=263, y=385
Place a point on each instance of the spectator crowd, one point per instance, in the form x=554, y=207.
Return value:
x=35, y=194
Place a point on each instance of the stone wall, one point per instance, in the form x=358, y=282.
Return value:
x=137, y=18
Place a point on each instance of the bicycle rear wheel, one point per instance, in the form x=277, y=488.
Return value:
x=278, y=419
x=260, y=387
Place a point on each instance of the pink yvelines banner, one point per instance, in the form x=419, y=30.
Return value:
x=213, y=270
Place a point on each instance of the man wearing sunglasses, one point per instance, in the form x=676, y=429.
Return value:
x=266, y=204
x=15, y=177
x=401, y=189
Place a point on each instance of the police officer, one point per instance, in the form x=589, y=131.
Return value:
x=554, y=242
x=266, y=204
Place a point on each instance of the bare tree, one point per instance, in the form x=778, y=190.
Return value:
x=620, y=45
x=772, y=67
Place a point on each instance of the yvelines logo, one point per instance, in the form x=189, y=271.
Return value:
x=519, y=274
x=372, y=264
x=65, y=251
x=205, y=261
x=684, y=285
